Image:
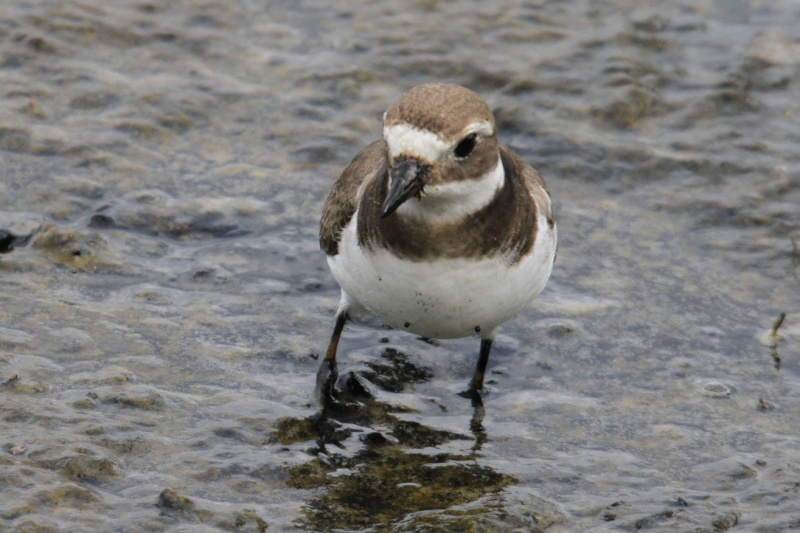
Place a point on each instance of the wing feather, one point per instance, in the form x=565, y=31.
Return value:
x=533, y=182
x=345, y=194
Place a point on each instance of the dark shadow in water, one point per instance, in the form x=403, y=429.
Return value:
x=9, y=241
x=395, y=470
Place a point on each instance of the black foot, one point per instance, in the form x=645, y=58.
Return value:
x=325, y=391
x=474, y=396
x=331, y=400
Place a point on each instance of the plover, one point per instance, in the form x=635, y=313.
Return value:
x=437, y=228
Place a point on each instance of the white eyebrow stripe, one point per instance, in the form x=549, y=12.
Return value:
x=483, y=128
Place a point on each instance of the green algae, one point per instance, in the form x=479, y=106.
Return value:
x=393, y=473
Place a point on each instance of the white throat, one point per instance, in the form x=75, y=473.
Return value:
x=454, y=200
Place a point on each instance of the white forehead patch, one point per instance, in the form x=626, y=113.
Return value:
x=406, y=138
x=423, y=143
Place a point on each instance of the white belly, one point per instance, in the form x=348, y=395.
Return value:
x=448, y=298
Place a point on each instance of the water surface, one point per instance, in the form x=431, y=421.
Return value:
x=160, y=334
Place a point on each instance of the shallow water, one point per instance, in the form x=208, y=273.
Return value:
x=159, y=336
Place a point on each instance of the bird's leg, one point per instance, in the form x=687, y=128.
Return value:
x=327, y=373
x=480, y=369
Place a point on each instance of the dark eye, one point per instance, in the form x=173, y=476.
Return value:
x=465, y=147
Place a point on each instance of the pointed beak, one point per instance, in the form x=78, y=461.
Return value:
x=405, y=181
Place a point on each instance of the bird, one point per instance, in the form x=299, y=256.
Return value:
x=437, y=229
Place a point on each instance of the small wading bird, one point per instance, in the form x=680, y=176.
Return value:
x=437, y=229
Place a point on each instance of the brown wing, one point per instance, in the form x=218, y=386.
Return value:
x=535, y=184
x=343, y=198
